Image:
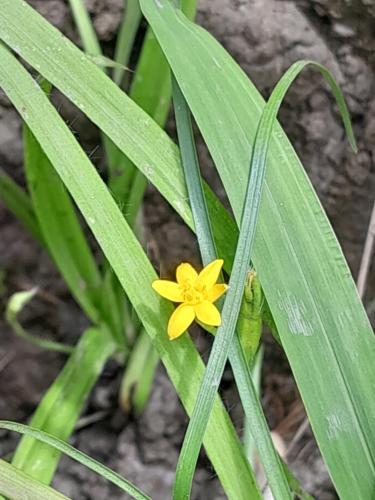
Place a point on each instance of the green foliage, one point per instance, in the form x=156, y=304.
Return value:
x=76, y=455
x=112, y=232
x=221, y=347
x=14, y=483
x=62, y=404
x=296, y=254
x=126, y=36
x=139, y=374
x=312, y=300
x=85, y=27
x=61, y=230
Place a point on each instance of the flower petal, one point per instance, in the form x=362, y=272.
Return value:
x=216, y=291
x=209, y=275
x=208, y=313
x=180, y=320
x=168, y=290
x=186, y=272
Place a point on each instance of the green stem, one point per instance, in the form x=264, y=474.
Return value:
x=248, y=439
x=139, y=374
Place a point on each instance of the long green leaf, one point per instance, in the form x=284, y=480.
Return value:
x=139, y=374
x=93, y=51
x=60, y=227
x=126, y=183
x=190, y=450
x=85, y=27
x=76, y=455
x=125, y=39
x=151, y=90
x=226, y=332
x=255, y=421
x=301, y=267
x=248, y=439
x=130, y=128
x=131, y=265
x=58, y=411
x=15, y=484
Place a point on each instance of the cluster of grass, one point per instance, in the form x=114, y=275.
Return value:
x=302, y=281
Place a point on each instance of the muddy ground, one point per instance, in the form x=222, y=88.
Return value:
x=265, y=36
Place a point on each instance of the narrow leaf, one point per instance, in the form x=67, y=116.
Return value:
x=131, y=266
x=308, y=287
x=60, y=227
x=139, y=374
x=126, y=35
x=225, y=333
x=76, y=455
x=151, y=90
x=58, y=411
x=85, y=27
x=15, y=483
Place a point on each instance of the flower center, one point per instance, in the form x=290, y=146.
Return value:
x=193, y=295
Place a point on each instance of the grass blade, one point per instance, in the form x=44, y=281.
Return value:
x=17, y=201
x=85, y=27
x=62, y=404
x=76, y=455
x=225, y=333
x=240, y=366
x=126, y=36
x=248, y=440
x=190, y=165
x=60, y=227
x=130, y=128
x=151, y=90
x=125, y=255
x=139, y=374
x=307, y=264
x=94, y=53
x=14, y=483
x=220, y=349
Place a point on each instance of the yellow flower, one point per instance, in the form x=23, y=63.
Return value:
x=196, y=292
